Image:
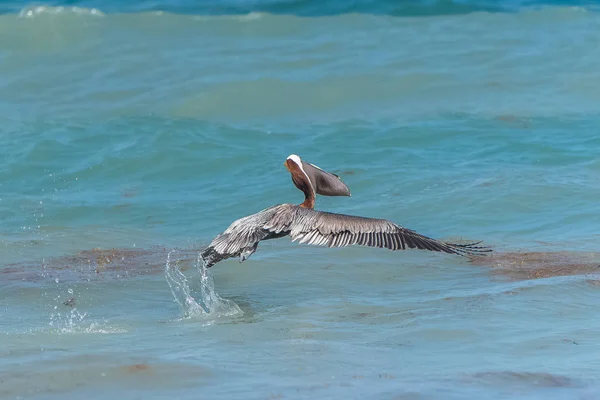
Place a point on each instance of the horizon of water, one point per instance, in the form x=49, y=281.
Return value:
x=132, y=134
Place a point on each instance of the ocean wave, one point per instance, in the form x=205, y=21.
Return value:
x=175, y=16
x=265, y=67
x=291, y=7
x=249, y=13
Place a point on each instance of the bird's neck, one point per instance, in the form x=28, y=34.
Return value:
x=302, y=182
x=309, y=199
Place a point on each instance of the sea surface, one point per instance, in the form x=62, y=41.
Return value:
x=132, y=133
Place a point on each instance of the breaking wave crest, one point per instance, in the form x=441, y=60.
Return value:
x=35, y=11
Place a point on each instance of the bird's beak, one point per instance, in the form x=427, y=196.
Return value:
x=325, y=183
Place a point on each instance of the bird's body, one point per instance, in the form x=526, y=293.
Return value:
x=306, y=225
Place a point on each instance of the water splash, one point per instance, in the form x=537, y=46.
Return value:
x=180, y=288
x=210, y=303
x=73, y=321
x=65, y=322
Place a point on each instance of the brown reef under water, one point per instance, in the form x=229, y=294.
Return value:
x=100, y=264
x=540, y=264
x=123, y=263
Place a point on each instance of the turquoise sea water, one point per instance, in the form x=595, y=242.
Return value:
x=143, y=130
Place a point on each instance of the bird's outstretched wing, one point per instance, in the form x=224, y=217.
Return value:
x=338, y=230
x=305, y=225
x=241, y=238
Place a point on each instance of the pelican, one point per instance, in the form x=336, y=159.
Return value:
x=305, y=224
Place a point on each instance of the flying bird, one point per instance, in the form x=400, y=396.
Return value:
x=306, y=225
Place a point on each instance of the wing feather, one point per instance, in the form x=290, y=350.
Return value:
x=340, y=230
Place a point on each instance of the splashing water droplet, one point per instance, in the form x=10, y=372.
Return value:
x=209, y=304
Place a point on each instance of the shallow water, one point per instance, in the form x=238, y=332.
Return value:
x=130, y=135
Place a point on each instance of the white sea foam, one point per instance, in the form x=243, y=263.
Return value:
x=34, y=11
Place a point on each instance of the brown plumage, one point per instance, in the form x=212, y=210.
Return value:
x=306, y=225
